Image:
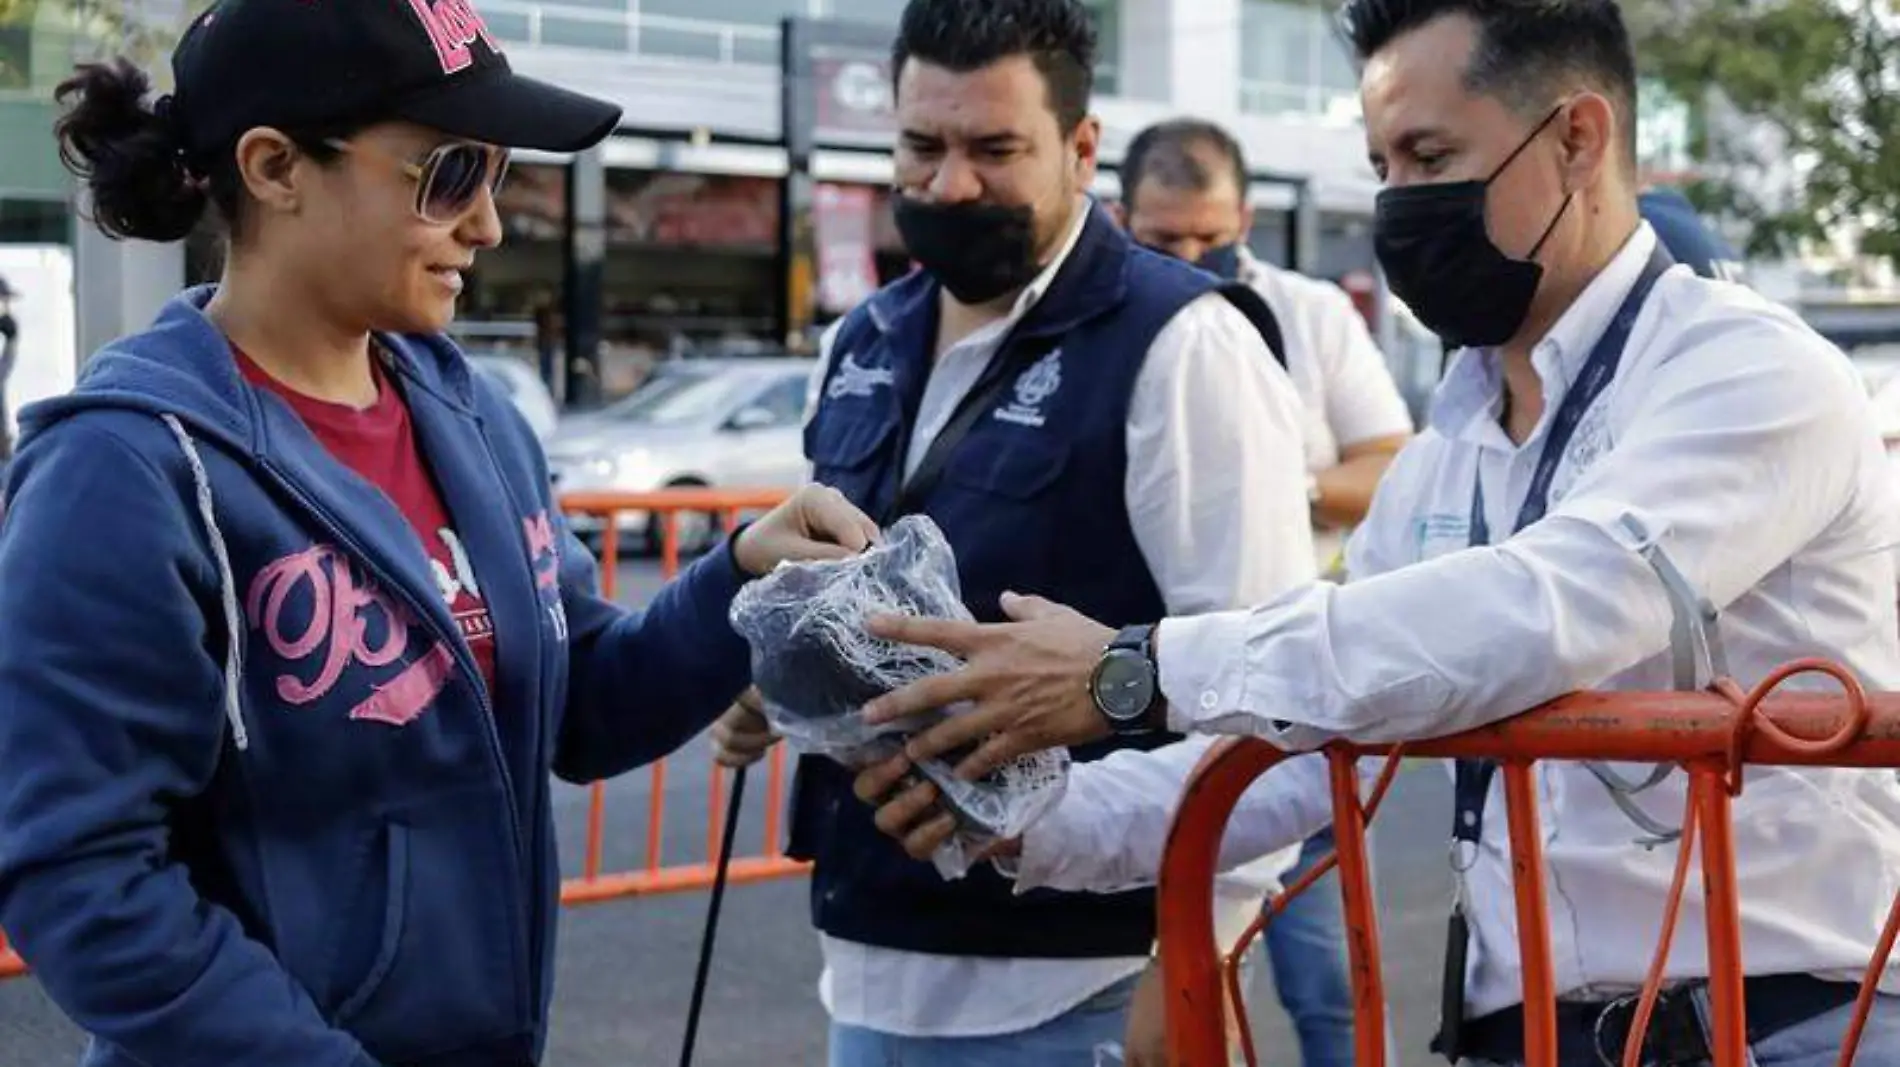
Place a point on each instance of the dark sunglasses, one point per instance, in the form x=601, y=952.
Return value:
x=449, y=179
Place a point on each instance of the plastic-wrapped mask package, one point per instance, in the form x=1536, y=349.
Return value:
x=816, y=667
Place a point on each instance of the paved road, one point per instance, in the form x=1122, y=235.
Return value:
x=625, y=968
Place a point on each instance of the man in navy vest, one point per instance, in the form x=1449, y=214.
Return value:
x=1085, y=420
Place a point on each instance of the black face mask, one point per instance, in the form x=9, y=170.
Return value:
x=1223, y=261
x=1439, y=258
x=978, y=251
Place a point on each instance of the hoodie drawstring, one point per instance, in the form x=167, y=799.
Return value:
x=233, y=619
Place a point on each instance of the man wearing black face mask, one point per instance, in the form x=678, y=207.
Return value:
x=1084, y=419
x=1611, y=411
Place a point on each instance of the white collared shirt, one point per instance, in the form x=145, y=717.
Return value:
x=1743, y=443
x=1342, y=378
x=1216, y=495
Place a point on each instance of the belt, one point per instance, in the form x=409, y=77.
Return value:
x=1594, y=1032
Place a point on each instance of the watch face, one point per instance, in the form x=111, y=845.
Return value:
x=1124, y=685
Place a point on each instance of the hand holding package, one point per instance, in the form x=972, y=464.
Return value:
x=816, y=666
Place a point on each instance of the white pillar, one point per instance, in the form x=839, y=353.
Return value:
x=119, y=286
x=1182, y=52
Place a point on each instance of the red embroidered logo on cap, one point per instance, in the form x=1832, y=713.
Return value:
x=453, y=25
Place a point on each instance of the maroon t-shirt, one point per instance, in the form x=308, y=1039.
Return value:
x=379, y=444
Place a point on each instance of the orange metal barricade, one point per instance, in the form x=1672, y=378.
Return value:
x=653, y=876
x=1711, y=734
x=11, y=965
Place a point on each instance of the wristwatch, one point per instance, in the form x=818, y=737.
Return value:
x=1126, y=683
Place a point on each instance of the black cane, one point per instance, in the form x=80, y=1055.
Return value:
x=712, y=916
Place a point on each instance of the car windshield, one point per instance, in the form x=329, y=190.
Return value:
x=678, y=399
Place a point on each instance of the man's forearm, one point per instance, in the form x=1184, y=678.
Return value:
x=1111, y=828
x=1345, y=491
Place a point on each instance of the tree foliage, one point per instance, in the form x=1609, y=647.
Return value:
x=1800, y=103
x=137, y=29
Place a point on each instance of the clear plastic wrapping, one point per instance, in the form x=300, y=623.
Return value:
x=816, y=666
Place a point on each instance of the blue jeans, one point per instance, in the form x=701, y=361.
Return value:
x=1306, y=946
x=1817, y=1042
x=1069, y=1040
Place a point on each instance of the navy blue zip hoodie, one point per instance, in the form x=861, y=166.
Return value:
x=256, y=807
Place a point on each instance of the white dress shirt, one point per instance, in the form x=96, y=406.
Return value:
x=1341, y=376
x=1216, y=497
x=1744, y=446
x=1886, y=404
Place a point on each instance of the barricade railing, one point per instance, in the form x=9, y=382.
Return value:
x=1711, y=734
x=594, y=884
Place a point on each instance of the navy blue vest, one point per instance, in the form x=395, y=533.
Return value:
x=1032, y=500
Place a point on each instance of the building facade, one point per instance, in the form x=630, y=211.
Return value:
x=688, y=196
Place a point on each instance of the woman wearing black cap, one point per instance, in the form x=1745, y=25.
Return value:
x=291, y=632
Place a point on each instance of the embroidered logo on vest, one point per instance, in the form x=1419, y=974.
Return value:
x=855, y=379
x=1033, y=390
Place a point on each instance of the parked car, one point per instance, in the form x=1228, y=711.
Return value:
x=523, y=387
x=731, y=422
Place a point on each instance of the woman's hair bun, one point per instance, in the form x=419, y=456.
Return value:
x=129, y=153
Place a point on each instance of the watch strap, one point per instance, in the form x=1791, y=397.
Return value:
x=1141, y=639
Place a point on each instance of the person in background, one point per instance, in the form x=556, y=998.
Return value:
x=9, y=350
x=292, y=634
x=1184, y=188
x=1184, y=193
x=1049, y=394
x=1608, y=407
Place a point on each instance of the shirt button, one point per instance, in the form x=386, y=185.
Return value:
x=1210, y=700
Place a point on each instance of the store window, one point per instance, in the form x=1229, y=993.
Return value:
x=34, y=221
x=719, y=31
x=1293, y=60
x=691, y=263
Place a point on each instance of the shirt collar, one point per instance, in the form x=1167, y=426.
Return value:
x=1473, y=388
x=1251, y=269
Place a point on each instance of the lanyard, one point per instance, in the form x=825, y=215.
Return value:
x=1473, y=777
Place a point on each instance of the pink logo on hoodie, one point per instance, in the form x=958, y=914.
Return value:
x=352, y=623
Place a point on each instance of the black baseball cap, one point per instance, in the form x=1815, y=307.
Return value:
x=312, y=63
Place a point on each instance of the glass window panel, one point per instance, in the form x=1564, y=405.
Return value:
x=882, y=12
x=1275, y=41
x=1108, y=46
x=750, y=12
